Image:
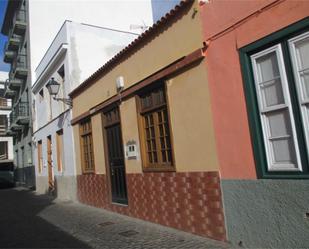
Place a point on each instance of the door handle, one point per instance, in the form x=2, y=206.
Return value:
x=112, y=171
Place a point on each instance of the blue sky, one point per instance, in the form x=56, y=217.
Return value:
x=3, y=39
x=162, y=6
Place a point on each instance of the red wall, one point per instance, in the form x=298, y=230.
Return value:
x=252, y=20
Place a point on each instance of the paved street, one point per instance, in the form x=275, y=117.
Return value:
x=31, y=221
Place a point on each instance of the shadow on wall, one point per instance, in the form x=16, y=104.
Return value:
x=25, y=177
x=21, y=227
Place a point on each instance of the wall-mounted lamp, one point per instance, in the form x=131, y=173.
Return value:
x=53, y=89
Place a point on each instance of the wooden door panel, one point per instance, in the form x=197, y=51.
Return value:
x=115, y=156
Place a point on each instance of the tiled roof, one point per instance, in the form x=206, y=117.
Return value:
x=128, y=49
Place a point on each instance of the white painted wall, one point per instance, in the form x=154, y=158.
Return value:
x=91, y=47
x=68, y=153
x=82, y=49
x=46, y=17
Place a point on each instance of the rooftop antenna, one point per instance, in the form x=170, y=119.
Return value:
x=143, y=27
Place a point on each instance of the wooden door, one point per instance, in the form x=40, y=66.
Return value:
x=49, y=164
x=115, y=156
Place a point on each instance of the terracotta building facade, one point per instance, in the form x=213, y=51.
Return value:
x=143, y=130
x=257, y=68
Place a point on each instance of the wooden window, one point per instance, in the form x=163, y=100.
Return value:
x=59, y=140
x=86, y=146
x=155, y=131
x=40, y=159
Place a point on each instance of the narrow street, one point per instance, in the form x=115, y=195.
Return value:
x=31, y=221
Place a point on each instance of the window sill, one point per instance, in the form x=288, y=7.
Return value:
x=159, y=169
x=88, y=172
x=284, y=175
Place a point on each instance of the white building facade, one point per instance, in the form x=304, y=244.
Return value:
x=69, y=60
x=6, y=142
x=116, y=14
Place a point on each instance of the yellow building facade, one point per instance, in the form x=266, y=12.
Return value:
x=147, y=148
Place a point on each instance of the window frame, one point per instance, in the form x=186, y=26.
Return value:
x=146, y=165
x=82, y=152
x=281, y=38
x=301, y=100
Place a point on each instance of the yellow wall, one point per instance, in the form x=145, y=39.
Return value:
x=191, y=121
x=129, y=127
x=98, y=144
x=175, y=41
x=188, y=97
x=77, y=149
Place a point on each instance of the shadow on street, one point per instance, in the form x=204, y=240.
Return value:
x=20, y=227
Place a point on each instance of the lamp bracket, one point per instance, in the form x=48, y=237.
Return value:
x=64, y=100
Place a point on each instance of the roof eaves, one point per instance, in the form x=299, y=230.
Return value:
x=134, y=44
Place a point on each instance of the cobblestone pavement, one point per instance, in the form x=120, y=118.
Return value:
x=61, y=224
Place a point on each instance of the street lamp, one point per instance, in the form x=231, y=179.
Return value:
x=53, y=88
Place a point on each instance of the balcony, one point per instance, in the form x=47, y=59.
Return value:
x=19, y=68
x=19, y=22
x=14, y=127
x=8, y=93
x=22, y=113
x=13, y=83
x=9, y=55
x=18, y=118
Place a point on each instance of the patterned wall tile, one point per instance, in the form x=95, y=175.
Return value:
x=188, y=201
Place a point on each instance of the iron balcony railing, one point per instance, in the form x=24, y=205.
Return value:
x=19, y=68
x=19, y=21
x=19, y=62
x=20, y=16
x=20, y=111
x=13, y=40
x=8, y=93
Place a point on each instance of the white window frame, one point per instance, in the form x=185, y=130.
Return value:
x=263, y=110
x=302, y=101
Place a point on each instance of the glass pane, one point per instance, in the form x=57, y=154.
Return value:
x=153, y=143
x=163, y=156
x=284, y=151
x=268, y=67
x=160, y=117
x=302, y=48
x=148, y=145
x=279, y=123
x=162, y=141
x=305, y=83
x=150, y=157
x=155, y=157
x=272, y=93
